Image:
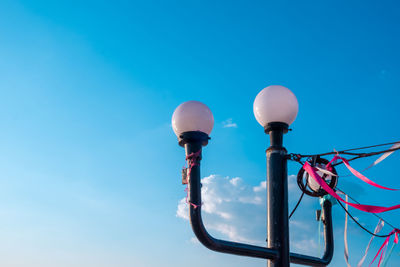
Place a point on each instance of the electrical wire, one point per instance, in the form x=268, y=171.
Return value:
x=297, y=157
x=348, y=213
x=377, y=216
x=302, y=193
x=363, y=155
x=362, y=227
x=298, y=203
x=365, y=147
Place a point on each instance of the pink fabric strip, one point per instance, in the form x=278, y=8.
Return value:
x=384, y=156
x=192, y=158
x=346, y=247
x=368, y=208
x=192, y=161
x=187, y=195
x=356, y=173
x=378, y=228
x=382, y=249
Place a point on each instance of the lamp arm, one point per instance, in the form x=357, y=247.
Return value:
x=226, y=246
x=244, y=249
x=197, y=223
x=328, y=237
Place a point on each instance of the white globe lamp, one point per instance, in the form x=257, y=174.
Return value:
x=275, y=104
x=192, y=117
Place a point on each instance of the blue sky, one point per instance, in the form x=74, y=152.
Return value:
x=90, y=167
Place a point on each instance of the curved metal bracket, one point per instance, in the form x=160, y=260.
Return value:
x=244, y=249
x=328, y=237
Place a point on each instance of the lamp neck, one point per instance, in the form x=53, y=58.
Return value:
x=276, y=138
x=276, y=131
x=193, y=137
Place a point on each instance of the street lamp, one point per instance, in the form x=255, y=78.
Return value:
x=275, y=108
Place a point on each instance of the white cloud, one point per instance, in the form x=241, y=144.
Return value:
x=195, y=241
x=182, y=210
x=261, y=187
x=235, y=210
x=306, y=245
x=229, y=123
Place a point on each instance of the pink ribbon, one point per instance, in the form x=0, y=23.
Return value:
x=378, y=228
x=382, y=249
x=384, y=156
x=192, y=161
x=356, y=173
x=187, y=195
x=346, y=246
x=368, y=208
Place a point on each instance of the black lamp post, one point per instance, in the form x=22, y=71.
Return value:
x=275, y=108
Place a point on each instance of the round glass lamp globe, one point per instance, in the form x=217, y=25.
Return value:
x=192, y=116
x=275, y=103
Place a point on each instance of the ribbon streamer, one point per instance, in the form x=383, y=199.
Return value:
x=378, y=228
x=356, y=173
x=192, y=161
x=325, y=171
x=368, y=208
x=382, y=249
x=187, y=196
x=388, y=256
x=384, y=156
x=346, y=247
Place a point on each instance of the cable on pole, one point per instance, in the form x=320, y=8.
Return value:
x=362, y=227
x=345, y=152
x=377, y=216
